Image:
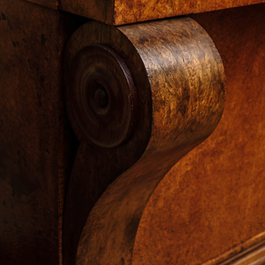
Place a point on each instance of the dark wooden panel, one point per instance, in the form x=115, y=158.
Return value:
x=100, y=10
x=213, y=199
x=33, y=136
x=48, y=3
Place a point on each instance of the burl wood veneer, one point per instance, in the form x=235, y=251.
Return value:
x=208, y=209
x=213, y=199
x=119, y=12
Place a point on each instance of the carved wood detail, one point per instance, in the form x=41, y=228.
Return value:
x=175, y=77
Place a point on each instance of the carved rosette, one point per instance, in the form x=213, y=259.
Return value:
x=139, y=97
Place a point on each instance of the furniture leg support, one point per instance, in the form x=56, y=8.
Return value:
x=139, y=97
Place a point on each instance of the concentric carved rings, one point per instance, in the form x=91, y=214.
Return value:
x=103, y=96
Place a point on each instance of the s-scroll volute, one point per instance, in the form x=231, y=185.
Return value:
x=139, y=97
x=103, y=96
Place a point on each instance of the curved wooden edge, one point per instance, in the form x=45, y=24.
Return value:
x=255, y=255
x=244, y=252
x=183, y=72
x=96, y=167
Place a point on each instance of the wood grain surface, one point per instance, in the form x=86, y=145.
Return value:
x=211, y=202
x=254, y=255
x=141, y=10
x=34, y=137
x=213, y=199
x=179, y=79
x=240, y=251
x=96, y=167
x=118, y=12
x=53, y=4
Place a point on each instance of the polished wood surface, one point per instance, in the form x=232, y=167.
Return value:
x=35, y=148
x=209, y=209
x=254, y=255
x=141, y=10
x=119, y=12
x=213, y=199
x=180, y=85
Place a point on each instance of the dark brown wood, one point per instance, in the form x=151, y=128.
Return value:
x=96, y=167
x=179, y=80
x=207, y=209
x=35, y=159
x=100, y=10
x=213, y=199
x=102, y=96
x=53, y=4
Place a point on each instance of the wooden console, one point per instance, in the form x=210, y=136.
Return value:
x=131, y=134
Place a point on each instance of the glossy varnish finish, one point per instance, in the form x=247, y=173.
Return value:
x=141, y=10
x=213, y=199
x=179, y=80
x=118, y=12
x=209, y=207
